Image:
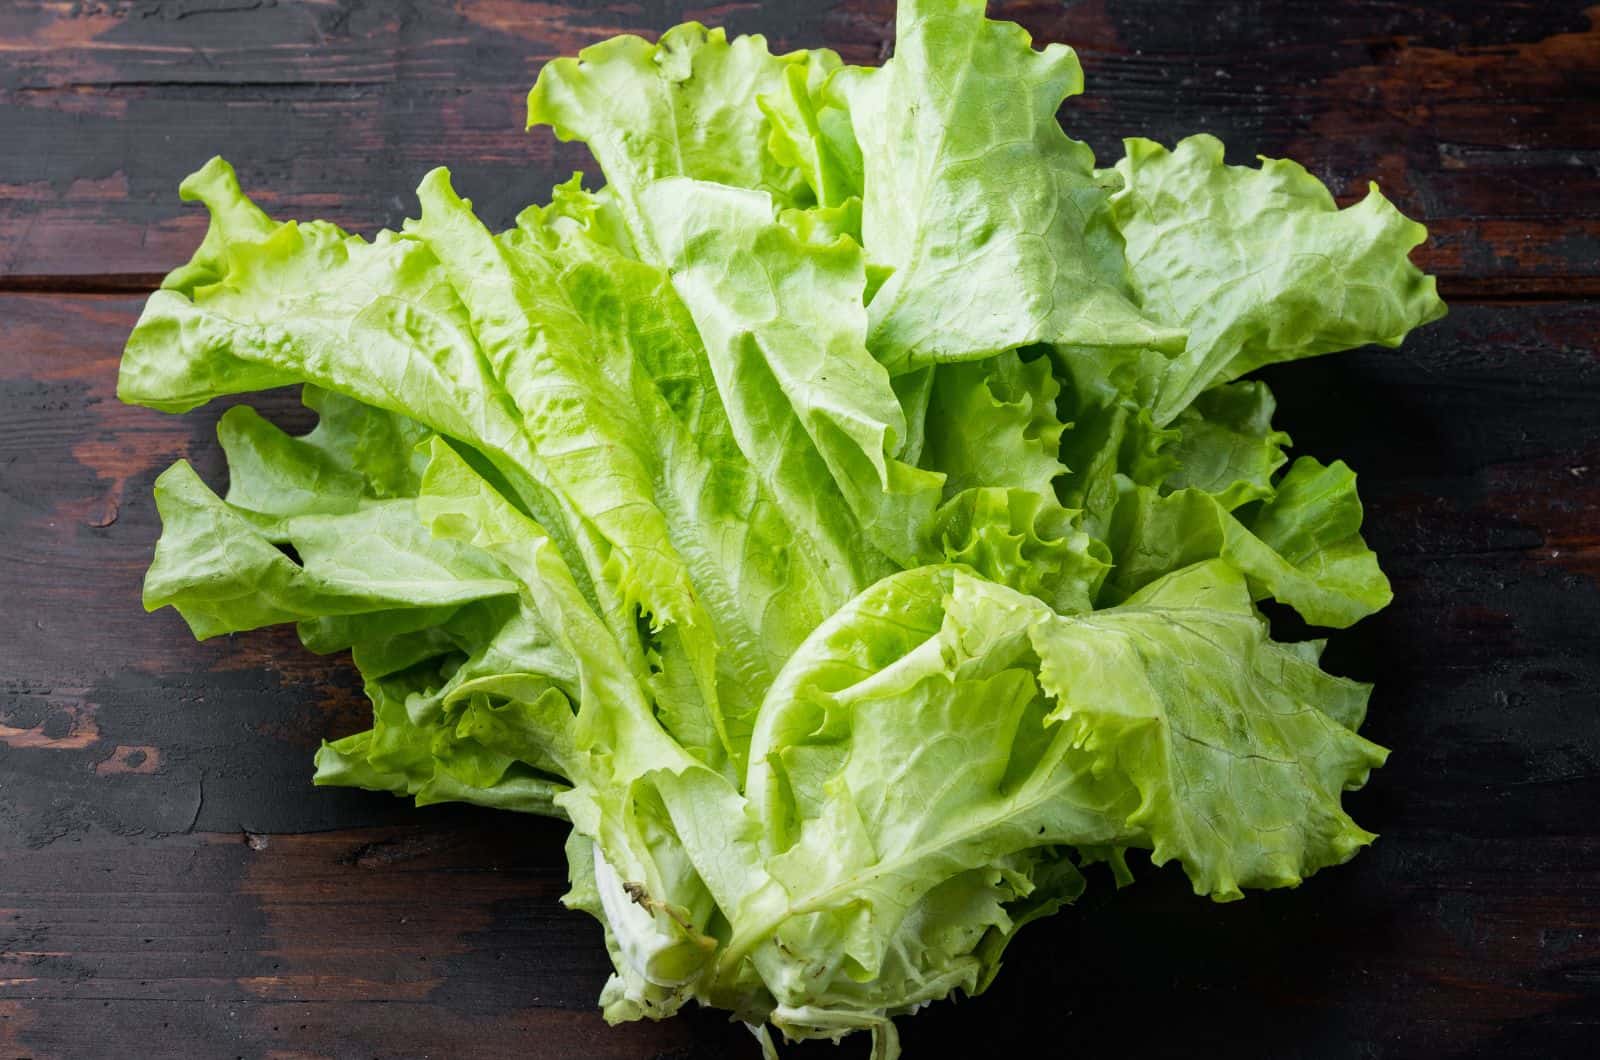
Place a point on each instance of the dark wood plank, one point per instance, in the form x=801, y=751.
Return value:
x=1480, y=117
x=442, y=939
x=87, y=676
x=136, y=765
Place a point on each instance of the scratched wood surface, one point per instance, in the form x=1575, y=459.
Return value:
x=171, y=885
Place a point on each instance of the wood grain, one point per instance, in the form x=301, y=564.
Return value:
x=1477, y=117
x=170, y=884
x=378, y=942
x=444, y=938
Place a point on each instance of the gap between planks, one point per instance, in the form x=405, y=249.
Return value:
x=1463, y=290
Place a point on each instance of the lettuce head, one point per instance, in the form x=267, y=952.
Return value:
x=850, y=516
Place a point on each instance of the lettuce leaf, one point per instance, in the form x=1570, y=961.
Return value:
x=850, y=517
x=1302, y=547
x=986, y=216
x=1259, y=265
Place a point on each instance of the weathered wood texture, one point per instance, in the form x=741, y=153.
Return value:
x=1477, y=116
x=170, y=884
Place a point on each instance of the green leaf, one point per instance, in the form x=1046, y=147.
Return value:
x=224, y=572
x=993, y=423
x=586, y=424
x=897, y=864
x=1106, y=447
x=770, y=555
x=291, y=303
x=892, y=854
x=1303, y=547
x=813, y=138
x=1232, y=741
x=780, y=316
x=1260, y=265
x=1026, y=541
x=988, y=217
x=688, y=106
x=615, y=744
x=1226, y=445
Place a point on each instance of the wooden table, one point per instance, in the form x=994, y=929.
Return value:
x=171, y=884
